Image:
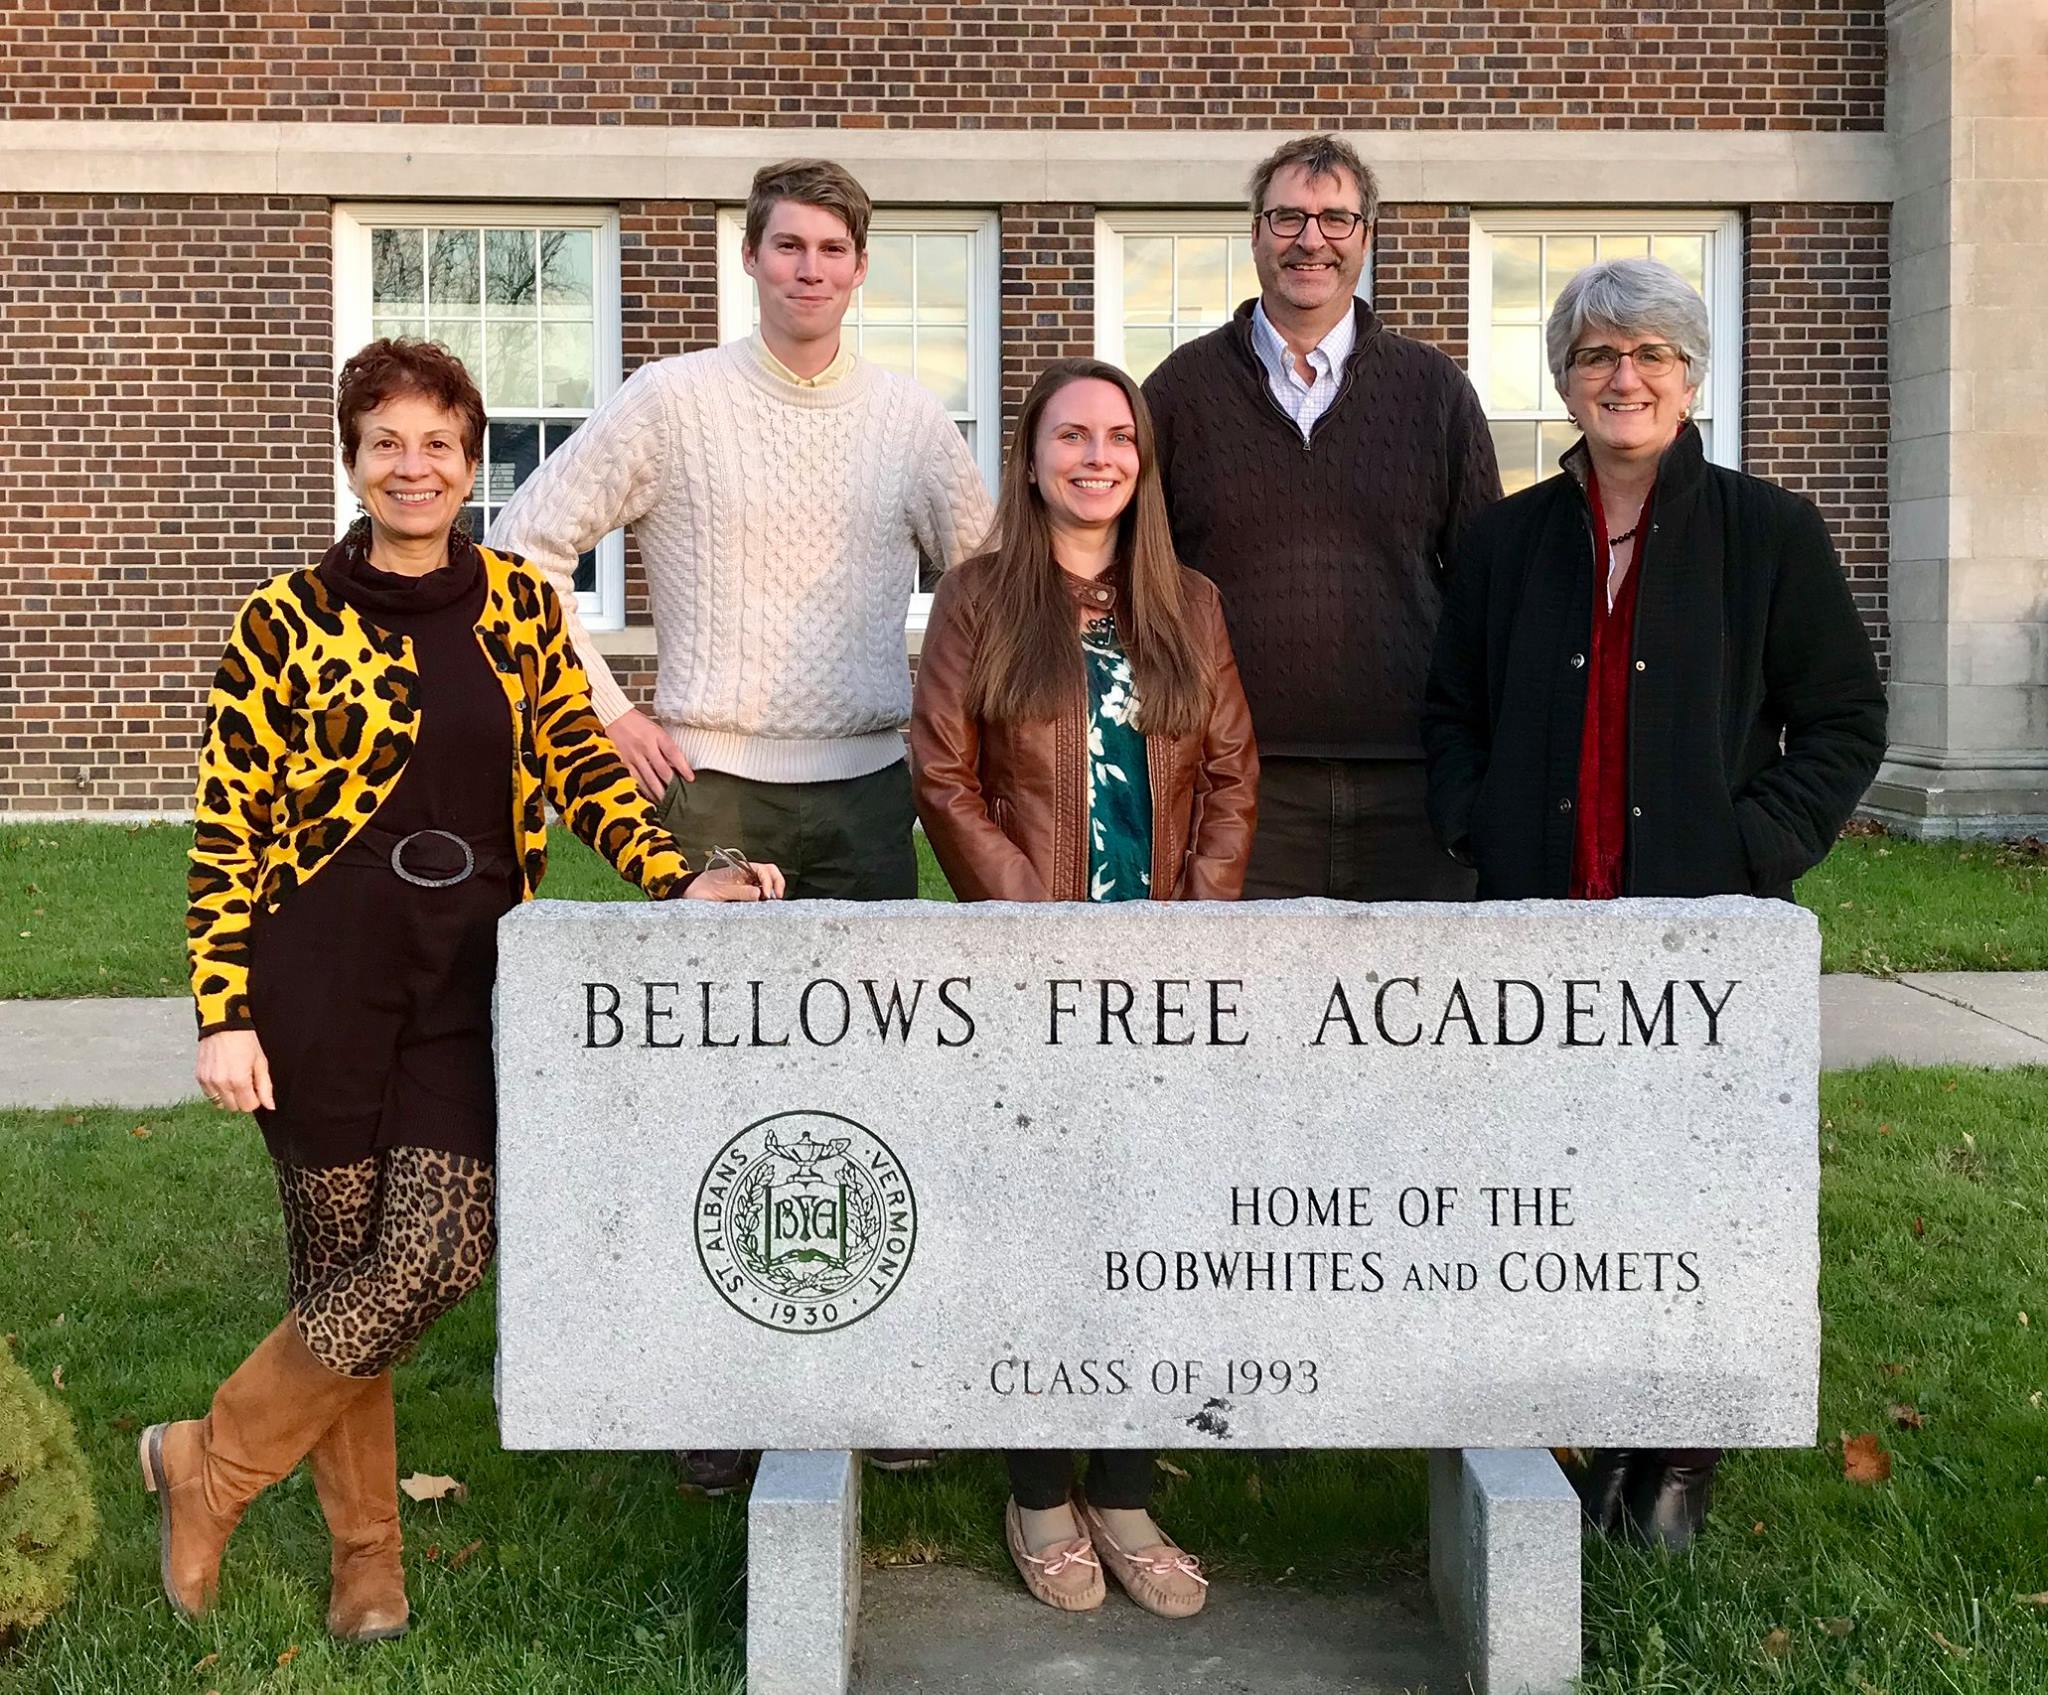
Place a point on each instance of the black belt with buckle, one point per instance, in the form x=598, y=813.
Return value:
x=398, y=860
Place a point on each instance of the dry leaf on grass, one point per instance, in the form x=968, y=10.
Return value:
x=57, y=1377
x=1919, y=1226
x=423, y=1488
x=1839, y=1627
x=1905, y=1417
x=1167, y=1466
x=204, y=1661
x=1778, y=1644
x=1892, y=1369
x=1757, y=1529
x=433, y=1550
x=141, y=1132
x=2040, y=1600
x=460, y=1558
x=1950, y=1646
x=289, y=1655
x=1864, y=1460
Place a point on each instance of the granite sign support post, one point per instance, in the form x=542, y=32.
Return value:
x=1319, y=1175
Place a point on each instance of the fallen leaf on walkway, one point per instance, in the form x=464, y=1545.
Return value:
x=1906, y=1418
x=1864, y=1460
x=1778, y=1644
x=422, y=1488
x=289, y=1655
x=1167, y=1466
x=204, y=1661
x=460, y=1558
x=1959, y=1653
x=1839, y=1627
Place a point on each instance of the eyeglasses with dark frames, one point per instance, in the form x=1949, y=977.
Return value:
x=1652, y=359
x=731, y=859
x=1287, y=222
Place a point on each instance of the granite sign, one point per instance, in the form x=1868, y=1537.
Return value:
x=1301, y=1174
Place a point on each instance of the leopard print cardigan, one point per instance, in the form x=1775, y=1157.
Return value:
x=309, y=723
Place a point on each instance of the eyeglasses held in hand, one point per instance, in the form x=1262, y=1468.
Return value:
x=731, y=859
x=1287, y=222
x=1652, y=359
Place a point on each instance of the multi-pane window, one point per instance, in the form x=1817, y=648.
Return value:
x=928, y=309
x=1164, y=278
x=1520, y=262
x=528, y=303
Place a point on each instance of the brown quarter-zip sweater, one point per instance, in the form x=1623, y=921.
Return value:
x=1330, y=554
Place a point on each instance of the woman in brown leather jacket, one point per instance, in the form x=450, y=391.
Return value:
x=1079, y=733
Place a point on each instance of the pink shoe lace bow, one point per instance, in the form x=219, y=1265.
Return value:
x=1160, y=1565
x=1079, y=1552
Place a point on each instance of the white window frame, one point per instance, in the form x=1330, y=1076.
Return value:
x=1724, y=274
x=736, y=307
x=1112, y=225
x=604, y=609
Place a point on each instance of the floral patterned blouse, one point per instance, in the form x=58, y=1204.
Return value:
x=1119, y=781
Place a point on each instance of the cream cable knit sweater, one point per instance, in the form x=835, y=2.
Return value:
x=780, y=529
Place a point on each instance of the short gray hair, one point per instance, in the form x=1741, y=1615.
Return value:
x=1635, y=297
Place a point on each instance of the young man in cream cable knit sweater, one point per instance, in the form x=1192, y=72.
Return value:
x=781, y=491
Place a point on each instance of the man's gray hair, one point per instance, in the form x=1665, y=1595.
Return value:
x=1319, y=156
x=1634, y=297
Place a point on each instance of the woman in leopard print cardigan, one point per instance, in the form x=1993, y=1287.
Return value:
x=382, y=737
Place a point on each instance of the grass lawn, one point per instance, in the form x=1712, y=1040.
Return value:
x=142, y=1266
x=98, y=909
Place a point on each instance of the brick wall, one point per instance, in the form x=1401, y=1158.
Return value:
x=668, y=303
x=1454, y=64
x=1422, y=268
x=1816, y=378
x=1048, y=294
x=165, y=385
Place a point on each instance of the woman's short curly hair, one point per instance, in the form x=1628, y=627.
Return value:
x=393, y=366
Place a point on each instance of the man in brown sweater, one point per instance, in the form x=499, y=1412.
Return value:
x=1319, y=469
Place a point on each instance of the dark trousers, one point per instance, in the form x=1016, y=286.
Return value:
x=1042, y=1478
x=843, y=840
x=1349, y=829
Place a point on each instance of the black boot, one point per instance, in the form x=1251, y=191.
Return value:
x=1667, y=1501
x=1603, y=1487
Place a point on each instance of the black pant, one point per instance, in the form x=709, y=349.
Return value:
x=1042, y=1478
x=1349, y=829
x=843, y=840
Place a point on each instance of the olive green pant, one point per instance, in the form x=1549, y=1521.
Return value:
x=844, y=840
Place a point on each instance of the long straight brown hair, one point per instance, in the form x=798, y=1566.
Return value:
x=1029, y=662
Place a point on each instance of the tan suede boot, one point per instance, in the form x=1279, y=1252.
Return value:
x=355, y=1472
x=205, y=1472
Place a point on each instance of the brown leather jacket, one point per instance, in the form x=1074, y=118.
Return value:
x=1005, y=806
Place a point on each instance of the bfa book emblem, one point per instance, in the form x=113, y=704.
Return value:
x=805, y=1221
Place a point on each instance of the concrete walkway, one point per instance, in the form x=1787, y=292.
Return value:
x=138, y=1053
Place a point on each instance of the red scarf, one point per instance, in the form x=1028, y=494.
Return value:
x=1600, y=843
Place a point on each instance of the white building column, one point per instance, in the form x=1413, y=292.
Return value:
x=1968, y=114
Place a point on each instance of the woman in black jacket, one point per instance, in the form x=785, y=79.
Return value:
x=1649, y=679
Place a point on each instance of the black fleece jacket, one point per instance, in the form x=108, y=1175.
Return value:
x=1756, y=718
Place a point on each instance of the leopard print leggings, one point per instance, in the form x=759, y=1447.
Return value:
x=379, y=1249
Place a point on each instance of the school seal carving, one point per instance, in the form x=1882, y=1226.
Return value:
x=805, y=1221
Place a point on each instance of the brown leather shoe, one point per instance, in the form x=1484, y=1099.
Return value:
x=355, y=1474
x=1067, y=1575
x=1163, y=1579
x=205, y=1472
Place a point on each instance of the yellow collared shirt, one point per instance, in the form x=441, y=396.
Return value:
x=842, y=363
